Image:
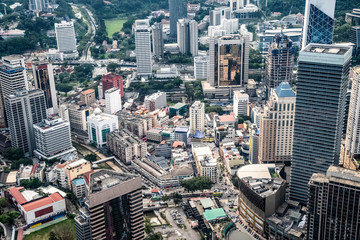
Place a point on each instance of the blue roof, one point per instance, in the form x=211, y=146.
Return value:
x=198, y=134
x=78, y=181
x=284, y=90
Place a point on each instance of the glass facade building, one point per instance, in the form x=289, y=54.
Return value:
x=177, y=10
x=318, y=22
x=323, y=73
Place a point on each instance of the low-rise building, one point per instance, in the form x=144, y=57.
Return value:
x=181, y=133
x=262, y=191
x=178, y=109
x=163, y=149
x=35, y=208
x=78, y=187
x=155, y=101
x=136, y=124
x=154, y=135
x=76, y=169
x=125, y=145
x=205, y=163
x=231, y=156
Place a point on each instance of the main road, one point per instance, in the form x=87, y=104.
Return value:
x=86, y=54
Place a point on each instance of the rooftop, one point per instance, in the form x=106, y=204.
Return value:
x=55, y=197
x=88, y=91
x=256, y=171
x=207, y=203
x=326, y=49
x=284, y=90
x=79, y=181
x=214, y=214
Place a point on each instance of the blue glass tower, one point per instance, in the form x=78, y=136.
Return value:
x=318, y=22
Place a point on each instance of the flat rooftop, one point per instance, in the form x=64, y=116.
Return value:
x=327, y=49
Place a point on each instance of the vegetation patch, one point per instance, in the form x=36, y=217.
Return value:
x=114, y=25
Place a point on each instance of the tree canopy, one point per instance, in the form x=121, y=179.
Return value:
x=13, y=153
x=197, y=183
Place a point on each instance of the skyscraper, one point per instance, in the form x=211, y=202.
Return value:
x=333, y=209
x=318, y=22
x=277, y=126
x=12, y=77
x=229, y=60
x=23, y=109
x=65, y=37
x=113, y=207
x=187, y=36
x=177, y=10
x=43, y=74
x=193, y=30
x=352, y=142
x=237, y=4
x=197, y=117
x=240, y=103
x=280, y=61
x=38, y=5
x=323, y=73
x=355, y=37
x=201, y=67
x=158, y=40
x=219, y=14
x=143, y=48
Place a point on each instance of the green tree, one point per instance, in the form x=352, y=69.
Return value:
x=24, y=161
x=148, y=228
x=13, y=153
x=243, y=118
x=197, y=183
x=177, y=198
x=91, y=157
x=111, y=67
x=31, y=184
x=154, y=236
x=217, y=109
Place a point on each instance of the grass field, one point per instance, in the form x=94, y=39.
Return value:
x=114, y=25
x=43, y=234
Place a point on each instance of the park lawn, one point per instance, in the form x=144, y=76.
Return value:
x=114, y=25
x=43, y=234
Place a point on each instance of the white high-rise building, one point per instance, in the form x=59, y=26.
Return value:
x=230, y=25
x=277, y=126
x=352, y=142
x=193, y=30
x=238, y=4
x=197, y=117
x=155, y=101
x=43, y=74
x=218, y=14
x=38, y=5
x=112, y=101
x=143, y=48
x=319, y=21
x=187, y=36
x=240, y=103
x=65, y=37
x=201, y=67
x=100, y=125
x=158, y=40
x=52, y=138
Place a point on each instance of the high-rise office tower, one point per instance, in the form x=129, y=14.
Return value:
x=158, y=40
x=197, y=117
x=280, y=62
x=111, y=80
x=193, y=30
x=352, y=141
x=12, y=77
x=219, y=14
x=229, y=60
x=23, y=109
x=183, y=38
x=323, y=74
x=112, y=101
x=113, y=209
x=333, y=209
x=65, y=37
x=177, y=10
x=237, y=4
x=143, y=48
x=43, y=74
x=187, y=36
x=277, y=126
x=52, y=138
x=318, y=22
x=38, y=5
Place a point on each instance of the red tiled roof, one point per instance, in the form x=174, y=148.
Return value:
x=20, y=234
x=56, y=197
x=87, y=176
x=177, y=144
x=88, y=91
x=61, y=165
x=241, y=126
x=226, y=118
x=15, y=192
x=33, y=170
x=37, y=204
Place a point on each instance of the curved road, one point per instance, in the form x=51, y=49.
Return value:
x=86, y=55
